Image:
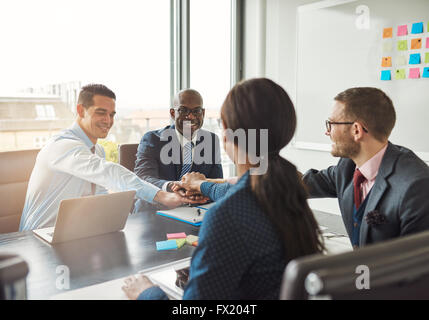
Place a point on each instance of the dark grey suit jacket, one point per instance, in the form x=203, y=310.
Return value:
x=400, y=193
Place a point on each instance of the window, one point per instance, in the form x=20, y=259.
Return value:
x=52, y=48
x=210, y=60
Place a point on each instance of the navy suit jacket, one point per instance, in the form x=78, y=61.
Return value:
x=399, y=194
x=156, y=145
x=240, y=254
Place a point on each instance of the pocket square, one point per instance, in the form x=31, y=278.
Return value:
x=375, y=218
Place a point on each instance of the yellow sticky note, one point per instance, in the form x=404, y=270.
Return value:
x=191, y=239
x=387, y=32
x=401, y=60
x=386, y=62
x=416, y=43
x=400, y=74
x=180, y=242
x=387, y=46
x=402, y=45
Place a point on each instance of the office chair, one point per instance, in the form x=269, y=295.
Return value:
x=127, y=155
x=394, y=269
x=13, y=273
x=15, y=171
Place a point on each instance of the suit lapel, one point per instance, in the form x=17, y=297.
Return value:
x=379, y=188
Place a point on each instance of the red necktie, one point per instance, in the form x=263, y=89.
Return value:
x=358, y=179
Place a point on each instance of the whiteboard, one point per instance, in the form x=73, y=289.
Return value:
x=333, y=54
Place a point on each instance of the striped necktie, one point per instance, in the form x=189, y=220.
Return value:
x=187, y=159
x=93, y=184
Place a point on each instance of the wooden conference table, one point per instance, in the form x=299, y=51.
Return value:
x=106, y=257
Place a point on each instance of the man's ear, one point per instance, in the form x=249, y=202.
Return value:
x=358, y=131
x=80, y=110
x=172, y=113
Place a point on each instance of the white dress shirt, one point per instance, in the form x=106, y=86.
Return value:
x=65, y=168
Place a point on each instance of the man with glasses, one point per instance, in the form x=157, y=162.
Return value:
x=164, y=156
x=382, y=188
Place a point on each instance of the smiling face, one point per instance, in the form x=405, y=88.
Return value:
x=97, y=119
x=343, y=143
x=188, y=113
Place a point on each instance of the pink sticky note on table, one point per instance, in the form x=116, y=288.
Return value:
x=402, y=30
x=180, y=235
x=427, y=42
x=414, y=73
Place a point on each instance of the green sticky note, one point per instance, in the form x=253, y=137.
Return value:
x=402, y=45
x=400, y=74
x=180, y=242
x=427, y=57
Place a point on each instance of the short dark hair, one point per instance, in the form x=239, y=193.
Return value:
x=88, y=92
x=371, y=106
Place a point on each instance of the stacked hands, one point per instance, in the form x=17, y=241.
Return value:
x=189, y=187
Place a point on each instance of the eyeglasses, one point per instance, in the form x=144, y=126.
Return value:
x=183, y=111
x=329, y=123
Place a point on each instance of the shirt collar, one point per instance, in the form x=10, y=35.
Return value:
x=184, y=140
x=370, y=168
x=77, y=130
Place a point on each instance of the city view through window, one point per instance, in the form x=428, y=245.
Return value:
x=52, y=48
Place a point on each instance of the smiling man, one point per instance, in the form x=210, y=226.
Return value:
x=164, y=156
x=73, y=165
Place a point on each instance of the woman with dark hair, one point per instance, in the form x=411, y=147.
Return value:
x=248, y=237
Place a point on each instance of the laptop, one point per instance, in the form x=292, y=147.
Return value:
x=89, y=216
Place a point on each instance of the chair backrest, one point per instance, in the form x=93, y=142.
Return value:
x=395, y=269
x=127, y=155
x=15, y=171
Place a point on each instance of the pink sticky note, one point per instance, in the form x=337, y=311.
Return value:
x=402, y=30
x=414, y=73
x=180, y=235
x=427, y=42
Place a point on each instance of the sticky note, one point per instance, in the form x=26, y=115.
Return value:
x=427, y=43
x=166, y=245
x=416, y=44
x=414, y=73
x=386, y=62
x=417, y=28
x=401, y=60
x=425, y=73
x=402, y=30
x=176, y=235
x=387, y=46
x=402, y=45
x=427, y=57
x=400, y=74
x=180, y=242
x=191, y=239
x=195, y=243
x=387, y=32
x=414, y=58
x=385, y=75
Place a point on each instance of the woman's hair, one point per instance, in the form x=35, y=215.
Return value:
x=262, y=104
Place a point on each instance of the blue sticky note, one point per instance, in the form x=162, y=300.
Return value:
x=385, y=75
x=414, y=58
x=166, y=245
x=417, y=28
x=425, y=73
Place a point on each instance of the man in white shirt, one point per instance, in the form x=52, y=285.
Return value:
x=72, y=165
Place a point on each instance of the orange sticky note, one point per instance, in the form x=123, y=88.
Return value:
x=386, y=62
x=416, y=43
x=195, y=244
x=387, y=32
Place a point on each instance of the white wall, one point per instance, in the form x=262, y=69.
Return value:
x=270, y=51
